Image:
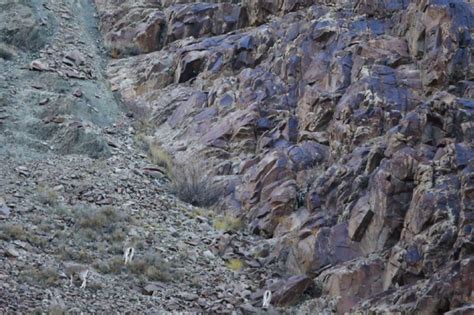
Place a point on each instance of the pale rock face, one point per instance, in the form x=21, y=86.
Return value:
x=373, y=98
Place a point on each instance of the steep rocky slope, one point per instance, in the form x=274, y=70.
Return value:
x=341, y=130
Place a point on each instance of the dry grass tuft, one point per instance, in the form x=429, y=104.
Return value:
x=95, y=230
x=154, y=268
x=46, y=276
x=235, y=264
x=98, y=219
x=155, y=152
x=113, y=265
x=191, y=183
x=47, y=196
x=227, y=223
x=160, y=157
x=10, y=231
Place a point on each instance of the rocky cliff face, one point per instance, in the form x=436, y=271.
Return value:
x=343, y=131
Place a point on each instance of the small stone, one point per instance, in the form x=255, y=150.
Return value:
x=245, y=293
x=247, y=308
x=58, y=119
x=253, y=264
x=44, y=101
x=149, y=289
x=11, y=252
x=38, y=66
x=76, y=57
x=189, y=296
x=209, y=254
x=22, y=170
x=4, y=211
x=113, y=144
x=68, y=62
x=21, y=244
x=78, y=93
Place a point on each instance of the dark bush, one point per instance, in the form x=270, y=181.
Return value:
x=191, y=183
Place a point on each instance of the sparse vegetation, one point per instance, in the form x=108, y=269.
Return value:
x=47, y=276
x=10, y=231
x=235, y=264
x=6, y=52
x=98, y=219
x=160, y=157
x=47, y=196
x=227, y=223
x=37, y=241
x=69, y=253
x=95, y=230
x=191, y=183
x=113, y=265
x=156, y=153
x=154, y=268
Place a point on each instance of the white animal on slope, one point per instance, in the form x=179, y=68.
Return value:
x=128, y=254
x=267, y=297
x=74, y=270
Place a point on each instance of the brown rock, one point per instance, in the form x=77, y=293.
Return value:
x=12, y=252
x=77, y=93
x=353, y=282
x=4, y=211
x=360, y=219
x=38, y=65
x=291, y=290
x=77, y=57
